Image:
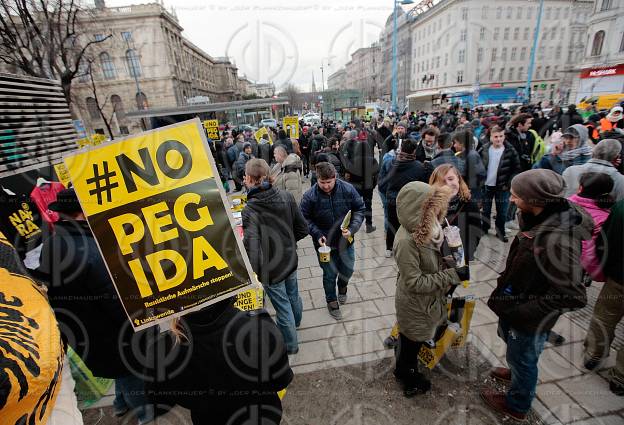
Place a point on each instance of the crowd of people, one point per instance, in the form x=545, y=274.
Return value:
x=557, y=185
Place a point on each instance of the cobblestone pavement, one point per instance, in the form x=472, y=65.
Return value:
x=566, y=392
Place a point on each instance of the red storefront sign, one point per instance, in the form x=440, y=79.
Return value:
x=603, y=72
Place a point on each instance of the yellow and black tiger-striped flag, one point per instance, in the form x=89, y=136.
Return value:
x=31, y=351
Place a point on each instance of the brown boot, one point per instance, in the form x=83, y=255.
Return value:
x=501, y=374
x=498, y=402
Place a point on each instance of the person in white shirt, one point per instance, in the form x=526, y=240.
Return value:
x=501, y=164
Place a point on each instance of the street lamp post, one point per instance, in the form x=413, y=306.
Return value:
x=394, y=52
x=527, y=89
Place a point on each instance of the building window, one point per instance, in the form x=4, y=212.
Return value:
x=463, y=35
x=492, y=72
x=438, y=62
x=597, y=44
x=538, y=72
x=464, y=13
x=118, y=107
x=520, y=72
x=126, y=36
x=516, y=33
x=562, y=33
x=511, y=74
x=496, y=33
x=523, y=52
x=124, y=130
x=480, y=54
x=446, y=56
x=108, y=67
x=494, y=53
x=134, y=64
x=548, y=13
x=513, y=53
x=519, y=13
x=504, y=54
x=527, y=30
x=484, y=12
x=606, y=5
x=622, y=44
x=141, y=100
x=499, y=12
x=92, y=107
x=566, y=11
x=99, y=37
x=558, y=52
x=557, y=12
x=553, y=33
x=509, y=12
x=547, y=71
x=482, y=34
x=462, y=56
x=84, y=70
x=460, y=77
x=506, y=34
x=529, y=12
x=501, y=74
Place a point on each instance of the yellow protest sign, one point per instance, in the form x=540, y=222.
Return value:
x=291, y=126
x=162, y=222
x=261, y=132
x=62, y=173
x=212, y=128
x=252, y=299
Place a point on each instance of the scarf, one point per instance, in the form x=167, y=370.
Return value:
x=430, y=151
x=405, y=157
x=572, y=154
x=437, y=235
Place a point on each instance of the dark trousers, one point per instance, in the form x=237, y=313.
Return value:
x=306, y=163
x=392, y=225
x=501, y=198
x=367, y=195
x=407, y=355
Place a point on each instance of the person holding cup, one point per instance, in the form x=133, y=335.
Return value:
x=326, y=206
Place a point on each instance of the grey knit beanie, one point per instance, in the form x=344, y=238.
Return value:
x=538, y=187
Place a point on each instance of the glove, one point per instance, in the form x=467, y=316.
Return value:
x=463, y=272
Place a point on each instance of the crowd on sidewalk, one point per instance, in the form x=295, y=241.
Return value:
x=557, y=186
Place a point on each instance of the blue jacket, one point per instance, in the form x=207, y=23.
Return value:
x=325, y=212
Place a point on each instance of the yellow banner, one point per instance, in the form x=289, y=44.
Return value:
x=261, y=132
x=116, y=174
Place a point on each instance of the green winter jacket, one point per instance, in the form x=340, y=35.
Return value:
x=422, y=282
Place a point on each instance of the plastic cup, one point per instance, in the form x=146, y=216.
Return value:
x=324, y=254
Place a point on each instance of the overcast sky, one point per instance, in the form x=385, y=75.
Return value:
x=277, y=40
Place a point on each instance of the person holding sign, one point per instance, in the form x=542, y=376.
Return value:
x=422, y=283
x=324, y=206
x=272, y=225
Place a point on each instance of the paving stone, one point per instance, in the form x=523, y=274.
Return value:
x=305, y=242
x=480, y=272
x=603, y=420
x=308, y=261
x=553, y=366
x=365, y=263
x=593, y=394
x=311, y=352
x=386, y=305
x=388, y=286
x=482, y=315
x=303, y=273
x=569, y=330
x=310, y=283
x=357, y=344
x=317, y=317
x=485, y=351
x=311, y=251
x=359, y=310
x=370, y=324
x=374, y=242
x=322, y=332
x=369, y=290
x=307, y=300
x=316, y=271
x=560, y=404
x=488, y=336
x=544, y=414
x=388, y=272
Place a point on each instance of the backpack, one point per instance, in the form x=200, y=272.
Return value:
x=539, y=148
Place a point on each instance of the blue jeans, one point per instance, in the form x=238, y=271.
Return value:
x=523, y=351
x=338, y=271
x=288, y=306
x=501, y=198
x=130, y=394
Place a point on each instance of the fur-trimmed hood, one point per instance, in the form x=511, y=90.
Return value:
x=417, y=204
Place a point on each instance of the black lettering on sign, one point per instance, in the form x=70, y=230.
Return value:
x=161, y=158
x=128, y=167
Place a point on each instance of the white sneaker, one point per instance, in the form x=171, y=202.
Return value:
x=388, y=253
